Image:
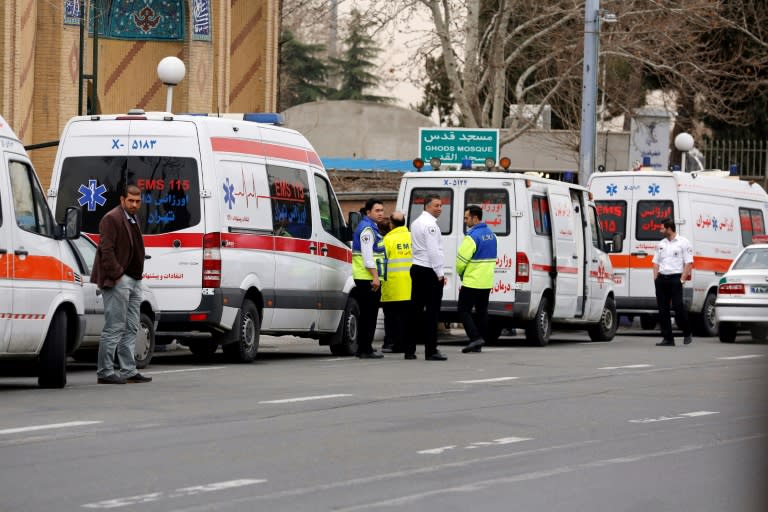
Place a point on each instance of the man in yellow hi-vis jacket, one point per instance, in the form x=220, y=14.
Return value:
x=396, y=285
x=475, y=264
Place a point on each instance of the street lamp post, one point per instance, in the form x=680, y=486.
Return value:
x=170, y=71
x=683, y=143
x=589, y=91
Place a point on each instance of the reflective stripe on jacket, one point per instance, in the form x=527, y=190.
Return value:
x=476, y=259
x=396, y=280
x=367, y=231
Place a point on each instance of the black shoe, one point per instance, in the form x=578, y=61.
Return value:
x=409, y=356
x=437, y=356
x=387, y=349
x=665, y=343
x=112, y=378
x=687, y=340
x=370, y=355
x=138, y=379
x=474, y=346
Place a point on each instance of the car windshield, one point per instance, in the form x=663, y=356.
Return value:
x=87, y=251
x=752, y=259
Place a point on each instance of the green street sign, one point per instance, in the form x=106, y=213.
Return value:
x=452, y=145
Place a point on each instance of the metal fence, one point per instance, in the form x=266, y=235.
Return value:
x=749, y=156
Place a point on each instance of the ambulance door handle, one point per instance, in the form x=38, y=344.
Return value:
x=595, y=260
x=312, y=248
x=575, y=257
x=639, y=254
x=324, y=251
x=21, y=252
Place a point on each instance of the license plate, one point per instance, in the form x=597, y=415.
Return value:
x=758, y=289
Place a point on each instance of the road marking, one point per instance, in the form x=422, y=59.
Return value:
x=188, y=370
x=178, y=493
x=748, y=356
x=627, y=366
x=302, y=399
x=338, y=359
x=680, y=416
x=475, y=444
x=481, y=381
x=49, y=426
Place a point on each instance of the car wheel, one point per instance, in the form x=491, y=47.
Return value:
x=728, y=332
x=53, y=356
x=759, y=332
x=648, y=322
x=539, y=328
x=346, y=344
x=605, y=330
x=705, y=323
x=145, y=341
x=246, y=346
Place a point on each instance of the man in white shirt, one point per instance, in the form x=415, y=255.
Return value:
x=672, y=266
x=427, y=276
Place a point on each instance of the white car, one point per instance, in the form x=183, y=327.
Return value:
x=742, y=297
x=85, y=252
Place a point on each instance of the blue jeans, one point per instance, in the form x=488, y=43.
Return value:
x=121, y=325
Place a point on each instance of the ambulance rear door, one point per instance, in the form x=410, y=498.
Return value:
x=565, y=251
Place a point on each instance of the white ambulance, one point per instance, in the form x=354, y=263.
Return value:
x=41, y=295
x=717, y=214
x=551, y=266
x=241, y=225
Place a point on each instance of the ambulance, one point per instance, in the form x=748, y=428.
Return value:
x=242, y=228
x=41, y=293
x=552, y=267
x=717, y=214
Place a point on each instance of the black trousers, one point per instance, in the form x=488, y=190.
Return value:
x=368, y=300
x=426, y=296
x=670, y=289
x=476, y=326
x=396, y=315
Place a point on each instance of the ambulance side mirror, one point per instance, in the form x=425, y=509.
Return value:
x=353, y=220
x=615, y=244
x=73, y=219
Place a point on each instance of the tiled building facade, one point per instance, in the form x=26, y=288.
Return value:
x=229, y=48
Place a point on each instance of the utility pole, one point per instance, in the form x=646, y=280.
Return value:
x=333, y=41
x=589, y=91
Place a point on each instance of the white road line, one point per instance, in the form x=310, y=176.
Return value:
x=178, y=493
x=680, y=416
x=627, y=366
x=698, y=413
x=436, y=451
x=748, y=356
x=475, y=444
x=302, y=399
x=338, y=359
x=49, y=426
x=481, y=381
x=188, y=370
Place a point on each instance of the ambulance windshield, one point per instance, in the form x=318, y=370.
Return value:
x=170, y=190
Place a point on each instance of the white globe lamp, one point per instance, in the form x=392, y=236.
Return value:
x=170, y=71
x=683, y=143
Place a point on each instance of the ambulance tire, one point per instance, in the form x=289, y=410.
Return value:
x=53, y=356
x=605, y=330
x=728, y=332
x=759, y=332
x=648, y=322
x=539, y=328
x=347, y=342
x=705, y=323
x=145, y=342
x=245, y=348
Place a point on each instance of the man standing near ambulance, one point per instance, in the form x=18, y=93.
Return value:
x=117, y=270
x=475, y=265
x=672, y=266
x=367, y=258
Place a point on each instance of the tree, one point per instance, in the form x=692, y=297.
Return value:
x=437, y=92
x=356, y=67
x=302, y=73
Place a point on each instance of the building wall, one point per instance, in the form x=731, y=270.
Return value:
x=236, y=71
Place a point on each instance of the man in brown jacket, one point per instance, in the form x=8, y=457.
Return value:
x=117, y=271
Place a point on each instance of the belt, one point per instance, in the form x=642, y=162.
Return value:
x=670, y=276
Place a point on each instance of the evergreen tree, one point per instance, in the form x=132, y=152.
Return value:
x=356, y=67
x=302, y=73
x=437, y=92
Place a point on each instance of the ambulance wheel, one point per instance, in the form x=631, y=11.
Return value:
x=705, y=323
x=246, y=346
x=728, y=332
x=539, y=328
x=202, y=349
x=347, y=342
x=759, y=332
x=53, y=356
x=648, y=322
x=605, y=330
x=145, y=342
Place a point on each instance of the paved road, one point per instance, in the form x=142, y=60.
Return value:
x=575, y=426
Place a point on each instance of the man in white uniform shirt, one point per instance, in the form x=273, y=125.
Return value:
x=672, y=266
x=427, y=276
